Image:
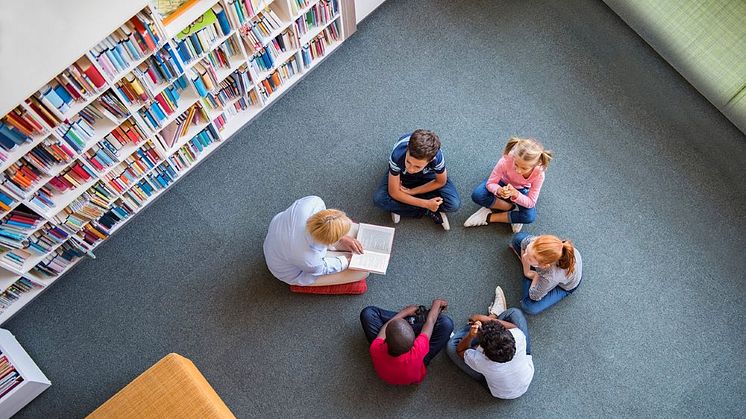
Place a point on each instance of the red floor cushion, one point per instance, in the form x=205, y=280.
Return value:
x=353, y=288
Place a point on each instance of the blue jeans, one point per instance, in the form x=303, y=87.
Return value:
x=382, y=199
x=551, y=298
x=485, y=198
x=373, y=318
x=512, y=315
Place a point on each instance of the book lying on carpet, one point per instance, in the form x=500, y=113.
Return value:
x=377, y=242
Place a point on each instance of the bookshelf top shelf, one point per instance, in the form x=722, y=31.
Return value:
x=27, y=48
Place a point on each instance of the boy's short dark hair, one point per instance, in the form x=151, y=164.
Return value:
x=497, y=342
x=423, y=144
x=399, y=337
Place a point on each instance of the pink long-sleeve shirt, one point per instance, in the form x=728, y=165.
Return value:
x=505, y=170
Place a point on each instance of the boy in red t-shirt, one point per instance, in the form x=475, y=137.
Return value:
x=402, y=344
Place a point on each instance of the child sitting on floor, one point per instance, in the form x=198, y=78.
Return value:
x=514, y=183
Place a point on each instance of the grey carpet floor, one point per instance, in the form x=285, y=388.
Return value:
x=648, y=182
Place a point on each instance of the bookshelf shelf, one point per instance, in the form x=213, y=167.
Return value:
x=29, y=381
x=62, y=200
x=238, y=121
x=18, y=304
x=304, y=10
x=135, y=174
x=7, y=278
x=315, y=31
x=21, y=151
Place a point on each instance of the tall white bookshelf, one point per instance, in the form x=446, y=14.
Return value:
x=21, y=380
x=144, y=120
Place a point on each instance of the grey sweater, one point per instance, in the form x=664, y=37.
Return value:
x=554, y=276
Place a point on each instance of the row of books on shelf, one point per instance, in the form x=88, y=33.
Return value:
x=163, y=105
x=10, y=377
x=257, y=31
x=319, y=44
x=132, y=42
x=279, y=77
x=16, y=227
x=91, y=217
x=317, y=16
x=199, y=37
x=17, y=128
x=236, y=86
x=204, y=74
x=244, y=10
x=15, y=290
x=78, y=83
x=266, y=58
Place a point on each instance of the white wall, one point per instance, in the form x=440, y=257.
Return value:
x=364, y=7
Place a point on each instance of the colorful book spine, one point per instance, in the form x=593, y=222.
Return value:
x=158, y=70
x=317, y=16
x=57, y=262
x=132, y=42
x=318, y=45
x=7, y=298
x=260, y=30
x=284, y=72
x=108, y=103
x=165, y=103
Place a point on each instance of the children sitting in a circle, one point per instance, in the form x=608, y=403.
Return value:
x=494, y=349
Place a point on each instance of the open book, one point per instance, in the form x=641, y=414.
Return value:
x=377, y=242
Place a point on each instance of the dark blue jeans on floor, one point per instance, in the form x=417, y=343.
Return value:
x=485, y=198
x=528, y=305
x=373, y=318
x=382, y=199
x=512, y=315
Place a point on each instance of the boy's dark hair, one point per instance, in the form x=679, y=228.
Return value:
x=423, y=144
x=497, y=342
x=399, y=337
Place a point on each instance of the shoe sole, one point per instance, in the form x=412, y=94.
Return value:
x=446, y=225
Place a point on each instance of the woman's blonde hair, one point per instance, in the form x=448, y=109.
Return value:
x=529, y=150
x=328, y=226
x=550, y=249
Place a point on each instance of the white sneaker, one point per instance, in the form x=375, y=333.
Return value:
x=446, y=225
x=516, y=227
x=395, y=217
x=479, y=218
x=499, y=305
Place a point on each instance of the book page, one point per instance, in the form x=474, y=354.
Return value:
x=376, y=238
x=369, y=261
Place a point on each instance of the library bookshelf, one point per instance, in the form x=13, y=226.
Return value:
x=20, y=379
x=98, y=143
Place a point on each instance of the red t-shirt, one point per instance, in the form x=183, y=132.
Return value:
x=408, y=368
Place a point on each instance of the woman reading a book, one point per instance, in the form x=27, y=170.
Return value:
x=297, y=245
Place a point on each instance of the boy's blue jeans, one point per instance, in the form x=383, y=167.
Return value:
x=373, y=318
x=382, y=199
x=512, y=315
x=551, y=298
x=485, y=198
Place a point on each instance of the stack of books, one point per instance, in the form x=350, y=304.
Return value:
x=16, y=128
x=16, y=227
